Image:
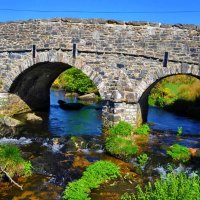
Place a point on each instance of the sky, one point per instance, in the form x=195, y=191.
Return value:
x=163, y=11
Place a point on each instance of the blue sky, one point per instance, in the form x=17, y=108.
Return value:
x=104, y=5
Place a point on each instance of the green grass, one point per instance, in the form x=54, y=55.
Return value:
x=95, y=174
x=12, y=162
x=122, y=128
x=119, y=145
x=173, y=187
x=142, y=159
x=142, y=130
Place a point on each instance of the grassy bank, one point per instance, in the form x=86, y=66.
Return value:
x=179, y=94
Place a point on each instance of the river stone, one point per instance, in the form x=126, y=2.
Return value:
x=32, y=117
x=10, y=126
x=73, y=94
x=88, y=97
x=74, y=144
x=11, y=104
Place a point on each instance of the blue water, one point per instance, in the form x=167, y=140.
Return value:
x=86, y=121
x=164, y=120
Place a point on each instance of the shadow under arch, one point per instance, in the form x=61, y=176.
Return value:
x=33, y=84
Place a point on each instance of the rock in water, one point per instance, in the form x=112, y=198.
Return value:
x=88, y=97
x=32, y=117
x=70, y=106
x=10, y=126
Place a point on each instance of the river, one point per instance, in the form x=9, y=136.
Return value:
x=57, y=161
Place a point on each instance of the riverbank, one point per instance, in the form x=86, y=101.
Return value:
x=179, y=94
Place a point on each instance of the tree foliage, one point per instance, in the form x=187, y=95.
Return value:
x=74, y=80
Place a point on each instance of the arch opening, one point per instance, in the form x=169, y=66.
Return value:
x=176, y=93
x=33, y=84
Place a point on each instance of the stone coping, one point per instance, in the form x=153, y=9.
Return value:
x=106, y=21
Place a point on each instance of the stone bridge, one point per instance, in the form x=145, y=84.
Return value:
x=124, y=59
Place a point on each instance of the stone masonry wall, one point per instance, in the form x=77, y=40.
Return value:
x=96, y=35
x=123, y=59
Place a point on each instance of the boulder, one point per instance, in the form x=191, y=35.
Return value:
x=73, y=94
x=11, y=104
x=88, y=97
x=32, y=117
x=75, y=143
x=10, y=126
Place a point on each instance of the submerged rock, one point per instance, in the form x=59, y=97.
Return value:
x=74, y=144
x=10, y=126
x=80, y=161
x=32, y=117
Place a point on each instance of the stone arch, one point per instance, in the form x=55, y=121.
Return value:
x=32, y=78
x=154, y=77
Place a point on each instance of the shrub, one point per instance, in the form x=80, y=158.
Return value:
x=121, y=146
x=142, y=159
x=178, y=152
x=179, y=131
x=28, y=168
x=122, y=128
x=99, y=172
x=77, y=190
x=74, y=80
x=12, y=162
x=142, y=130
x=173, y=187
x=94, y=175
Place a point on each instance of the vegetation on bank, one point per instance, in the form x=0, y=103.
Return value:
x=179, y=153
x=74, y=80
x=177, y=92
x=93, y=176
x=120, y=140
x=142, y=159
x=172, y=187
x=12, y=164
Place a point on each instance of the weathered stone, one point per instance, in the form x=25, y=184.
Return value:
x=11, y=104
x=32, y=117
x=10, y=126
x=123, y=59
x=88, y=97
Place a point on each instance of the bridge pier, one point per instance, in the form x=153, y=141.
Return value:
x=113, y=112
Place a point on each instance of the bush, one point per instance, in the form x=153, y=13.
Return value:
x=99, y=172
x=178, y=152
x=179, y=131
x=74, y=80
x=94, y=175
x=173, y=187
x=77, y=190
x=122, y=128
x=121, y=146
x=142, y=159
x=142, y=130
x=12, y=162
